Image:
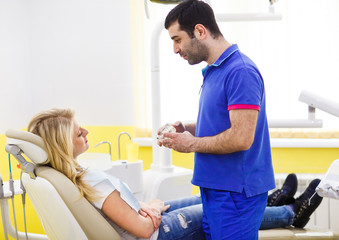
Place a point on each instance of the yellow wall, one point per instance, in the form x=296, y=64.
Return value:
x=285, y=160
x=303, y=160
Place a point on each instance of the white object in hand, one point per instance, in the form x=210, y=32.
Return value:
x=167, y=128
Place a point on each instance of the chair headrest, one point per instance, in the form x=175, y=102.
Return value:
x=32, y=145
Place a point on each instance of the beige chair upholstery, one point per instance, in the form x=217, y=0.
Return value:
x=90, y=220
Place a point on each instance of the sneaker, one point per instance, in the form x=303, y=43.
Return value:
x=304, y=207
x=287, y=191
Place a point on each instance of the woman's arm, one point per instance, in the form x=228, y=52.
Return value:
x=125, y=217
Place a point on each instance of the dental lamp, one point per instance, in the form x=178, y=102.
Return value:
x=313, y=101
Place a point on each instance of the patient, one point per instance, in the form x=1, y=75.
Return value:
x=65, y=139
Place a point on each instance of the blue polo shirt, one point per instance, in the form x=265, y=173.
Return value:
x=233, y=82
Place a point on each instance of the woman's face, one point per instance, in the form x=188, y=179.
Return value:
x=80, y=142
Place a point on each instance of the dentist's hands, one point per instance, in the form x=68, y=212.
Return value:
x=175, y=127
x=181, y=140
x=154, y=210
x=179, y=127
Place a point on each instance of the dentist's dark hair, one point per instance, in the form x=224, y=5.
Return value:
x=190, y=13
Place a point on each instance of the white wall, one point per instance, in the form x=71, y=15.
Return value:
x=15, y=97
x=66, y=53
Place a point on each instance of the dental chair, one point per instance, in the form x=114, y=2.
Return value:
x=63, y=213
x=329, y=185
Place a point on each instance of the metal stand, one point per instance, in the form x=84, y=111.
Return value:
x=6, y=220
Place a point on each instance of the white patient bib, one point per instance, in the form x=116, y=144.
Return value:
x=105, y=184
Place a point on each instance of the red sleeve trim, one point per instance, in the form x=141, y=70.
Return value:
x=244, y=106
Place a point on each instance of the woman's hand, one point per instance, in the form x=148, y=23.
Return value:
x=157, y=203
x=154, y=210
x=155, y=215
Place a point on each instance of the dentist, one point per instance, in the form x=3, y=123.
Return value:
x=233, y=165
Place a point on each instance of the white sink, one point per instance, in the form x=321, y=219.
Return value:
x=129, y=172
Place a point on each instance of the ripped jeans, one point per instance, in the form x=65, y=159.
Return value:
x=183, y=220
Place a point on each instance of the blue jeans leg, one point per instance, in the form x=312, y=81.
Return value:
x=183, y=221
x=275, y=217
x=183, y=202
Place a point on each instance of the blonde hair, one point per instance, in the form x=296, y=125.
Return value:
x=55, y=127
